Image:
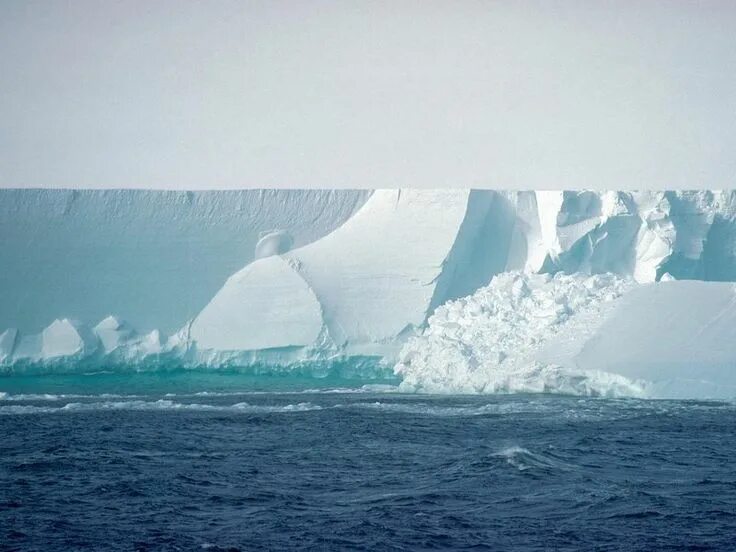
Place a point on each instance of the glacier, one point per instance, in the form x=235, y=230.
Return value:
x=461, y=291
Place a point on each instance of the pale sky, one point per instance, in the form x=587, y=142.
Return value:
x=232, y=94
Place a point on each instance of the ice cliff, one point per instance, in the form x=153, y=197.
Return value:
x=550, y=280
x=153, y=258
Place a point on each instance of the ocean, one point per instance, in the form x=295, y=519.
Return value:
x=194, y=460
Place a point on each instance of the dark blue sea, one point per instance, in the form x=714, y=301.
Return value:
x=192, y=461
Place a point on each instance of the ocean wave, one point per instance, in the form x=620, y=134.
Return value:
x=426, y=409
x=37, y=397
x=523, y=459
x=161, y=404
x=367, y=388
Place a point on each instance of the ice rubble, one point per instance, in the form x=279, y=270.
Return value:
x=488, y=341
x=372, y=284
x=579, y=334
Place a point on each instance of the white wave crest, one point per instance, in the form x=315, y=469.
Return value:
x=425, y=409
x=22, y=397
x=523, y=459
x=162, y=404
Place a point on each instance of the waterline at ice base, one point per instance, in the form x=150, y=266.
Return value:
x=617, y=294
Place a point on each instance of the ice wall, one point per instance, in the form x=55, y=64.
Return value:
x=639, y=234
x=152, y=258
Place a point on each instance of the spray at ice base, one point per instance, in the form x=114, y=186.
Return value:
x=465, y=291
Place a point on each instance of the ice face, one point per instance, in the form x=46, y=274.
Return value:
x=7, y=343
x=153, y=258
x=113, y=333
x=266, y=305
x=365, y=283
x=66, y=338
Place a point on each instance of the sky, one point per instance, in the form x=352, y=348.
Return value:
x=180, y=94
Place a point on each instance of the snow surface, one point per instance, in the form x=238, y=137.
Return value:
x=320, y=275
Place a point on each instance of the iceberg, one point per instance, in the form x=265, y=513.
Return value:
x=375, y=281
x=62, y=339
x=584, y=292
x=356, y=290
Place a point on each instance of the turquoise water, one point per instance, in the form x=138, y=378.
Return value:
x=160, y=383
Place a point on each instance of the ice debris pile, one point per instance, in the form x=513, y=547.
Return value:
x=579, y=334
x=486, y=342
